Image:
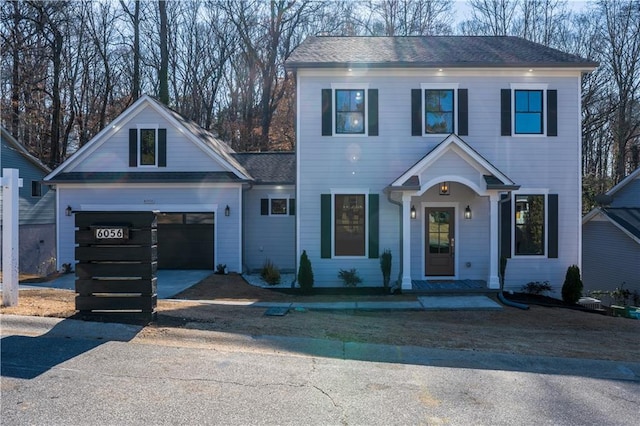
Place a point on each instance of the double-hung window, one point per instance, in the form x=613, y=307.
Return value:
x=349, y=224
x=439, y=109
x=529, y=109
x=349, y=110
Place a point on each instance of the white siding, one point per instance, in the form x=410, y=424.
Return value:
x=166, y=198
x=551, y=164
x=113, y=154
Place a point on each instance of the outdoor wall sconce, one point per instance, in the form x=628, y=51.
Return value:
x=68, y=211
x=413, y=212
x=227, y=211
x=444, y=188
x=467, y=213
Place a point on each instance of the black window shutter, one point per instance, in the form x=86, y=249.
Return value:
x=505, y=112
x=552, y=226
x=264, y=207
x=292, y=206
x=162, y=147
x=374, y=226
x=325, y=226
x=133, y=147
x=463, y=112
x=505, y=227
x=373, y=112
x=552, y=113
x=327, y=113
x=416, y=112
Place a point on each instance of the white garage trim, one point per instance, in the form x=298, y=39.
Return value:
x=164, y=208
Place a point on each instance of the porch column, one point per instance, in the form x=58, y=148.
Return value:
x=493, y=281
x=406, y=241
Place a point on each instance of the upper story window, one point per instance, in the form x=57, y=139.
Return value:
x=529, y=109
x=439, y=109
x=528, y=112
x=147, y=146
x=350, y=111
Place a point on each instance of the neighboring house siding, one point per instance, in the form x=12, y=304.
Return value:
x=113, y=154
x=629, y=196
x=550, y=164
x=268, y=237
x=166, y=198
x=610, y=257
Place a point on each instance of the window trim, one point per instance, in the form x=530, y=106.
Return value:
x=153, y=127
x=349, y=86
x=531, y=191
x=543, y=87
x=350, y=191
x=286, y=197
x=423, y=113
x=36, y=193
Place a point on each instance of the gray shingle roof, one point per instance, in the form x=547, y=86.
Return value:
x=144, y=177
x=269, y=167
x=628, y=218
x=430, y=51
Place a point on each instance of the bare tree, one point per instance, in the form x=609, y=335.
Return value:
x=410, y=17
x=490, y=17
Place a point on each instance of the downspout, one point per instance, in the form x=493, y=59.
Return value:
x=400, y=245
x=502, y=269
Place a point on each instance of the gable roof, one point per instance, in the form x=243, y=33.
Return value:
x=214, y=147
x=493, y=178
x=430, y=51
x=276, y=168
x=13, y=143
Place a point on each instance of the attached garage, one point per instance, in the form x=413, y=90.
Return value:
x=185, y=240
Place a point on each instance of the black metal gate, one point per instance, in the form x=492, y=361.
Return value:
x=117, y=263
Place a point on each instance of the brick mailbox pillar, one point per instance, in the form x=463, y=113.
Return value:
x=116, y=254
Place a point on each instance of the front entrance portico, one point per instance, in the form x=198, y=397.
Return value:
x=452, y=234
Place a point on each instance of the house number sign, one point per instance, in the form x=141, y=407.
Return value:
x=111, y=233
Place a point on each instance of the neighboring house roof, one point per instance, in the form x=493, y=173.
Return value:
x=430, y=51
x=269, y=167
x=144, y=177
x=12, y=143
x=624, y=182
x=627, y=219
x=211, y=145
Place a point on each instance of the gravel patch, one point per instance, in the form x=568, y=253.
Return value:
x=286, y=281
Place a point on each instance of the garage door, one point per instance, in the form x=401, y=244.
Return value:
x=185, y=241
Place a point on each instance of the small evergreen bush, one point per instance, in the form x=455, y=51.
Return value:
x=385, y=266
x=350, y=278
x=572, y=287
x=270, y=273
x=305, y=273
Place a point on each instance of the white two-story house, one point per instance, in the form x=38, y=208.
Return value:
x=449, y=151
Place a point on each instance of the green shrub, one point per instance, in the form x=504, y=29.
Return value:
x=350, y=278
x=385, y=266
x=536, y=287
x=572, y=287
x=305, y=272
x=270, y=273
